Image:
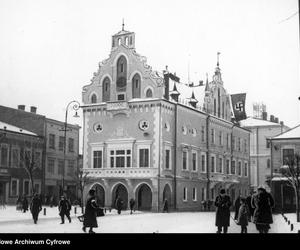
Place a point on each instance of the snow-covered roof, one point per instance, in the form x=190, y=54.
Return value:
x=13, y=128
x=186, y=92
x=256, y=122
x=290, y=134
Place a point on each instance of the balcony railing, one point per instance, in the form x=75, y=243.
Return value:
x=121, y=172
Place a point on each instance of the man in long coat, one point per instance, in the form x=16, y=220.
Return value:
x=222, y=204
x=90, y=215
x=35, y=207
x=131, y=204
x=24, y=204
x=263, y=203
x=64, y=208
x=119, y=204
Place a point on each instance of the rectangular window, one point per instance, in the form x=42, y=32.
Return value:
x=37, y=188
x=14, y=187
x=97, y=159
x=184, y=160
x=60, y=166
x=227, y=166
x=212, y=191
x=167, y=159
x=15, y=157
x=220, y=165
x=120, y=158
x=26, y=187
x=287, y=156
x=239, y=168
x=144, y=157
x=4, y=156
x=268, y=163
x=202, y=133
x=245, y=146
x=212, y=134
x=61, y=142
x=268, y=142
x=51, y=164
x=233, y=167
x=194, y=161
x=239, y=144
x=71, y=167
x=245, y=169
x=184, y=194
x=220, y=138
x=52, y=141
x=233, y=143
x=71, y=145
x=203, y=163
x=194, y=194
x=212, y=164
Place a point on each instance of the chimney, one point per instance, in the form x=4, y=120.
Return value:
x=276, y=120
x=21, y=107
x=264, y=115
x=33, y=109
x=271, y=118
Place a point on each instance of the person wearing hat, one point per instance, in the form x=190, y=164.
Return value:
x=222, y=204
x=263, y=203
x=64, y=208
x=90, y=215
x=35, y=207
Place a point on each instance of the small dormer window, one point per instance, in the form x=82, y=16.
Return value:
x=94, y=98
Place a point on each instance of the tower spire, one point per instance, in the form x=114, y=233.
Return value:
x=218, y=54
x=123, y=24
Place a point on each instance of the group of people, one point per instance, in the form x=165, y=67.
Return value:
x=256, y=208
x=22, y=203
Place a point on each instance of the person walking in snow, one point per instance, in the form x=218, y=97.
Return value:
x=237, y=204
x=119, y=204
x=131, y=204
x=166, y=206
x=90, y=215
x=64, y=208
x=243, y=215
x=263, y=203
x=222, y=204
x=35, y=207
x=24, y=204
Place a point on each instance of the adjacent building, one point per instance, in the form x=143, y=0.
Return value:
x=284, y=148
x=262, y=130
x=17, y=146
x=149, y=137
x=59, y=168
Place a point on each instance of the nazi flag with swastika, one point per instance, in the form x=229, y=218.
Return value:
x=238, y=105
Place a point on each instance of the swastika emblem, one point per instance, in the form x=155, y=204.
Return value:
x=144, y=125
x=239, y=106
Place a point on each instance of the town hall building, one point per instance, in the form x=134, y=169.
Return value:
x=150, y=137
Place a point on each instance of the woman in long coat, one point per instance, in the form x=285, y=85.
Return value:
x=35, y=207
x=90, y=215
x=222, y=204
x=263, y=203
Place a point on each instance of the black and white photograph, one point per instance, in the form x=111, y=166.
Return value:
x=149, y=117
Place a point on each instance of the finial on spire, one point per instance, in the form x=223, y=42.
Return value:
x=123, y=24
x=218, y=54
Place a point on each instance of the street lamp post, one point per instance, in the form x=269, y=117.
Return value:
x=75, y=106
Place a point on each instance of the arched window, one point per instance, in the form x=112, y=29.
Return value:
x=121, y=74
x=149, y=93
x=119, y=41
x=136, y=86
x=94, y=98
x=106, y=89
x=126, y=40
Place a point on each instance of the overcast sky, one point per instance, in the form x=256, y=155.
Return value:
x=50, y=49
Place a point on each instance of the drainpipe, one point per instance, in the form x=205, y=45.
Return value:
x=207, y=159
x=175, y=158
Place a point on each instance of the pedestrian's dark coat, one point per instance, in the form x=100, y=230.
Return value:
x=90, y=215
x=119, y=204
x=222, y=213
x=237, y=205
x=24, y=204
x=64, y=207
x=243, y=215
x=263, y=203
x=166, y=206
x=35, y=205
x=132, y=203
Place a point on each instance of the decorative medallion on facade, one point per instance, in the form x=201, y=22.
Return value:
x=98, y=127
x=144, y=125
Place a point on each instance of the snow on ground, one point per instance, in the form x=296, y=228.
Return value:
x=12, y=221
